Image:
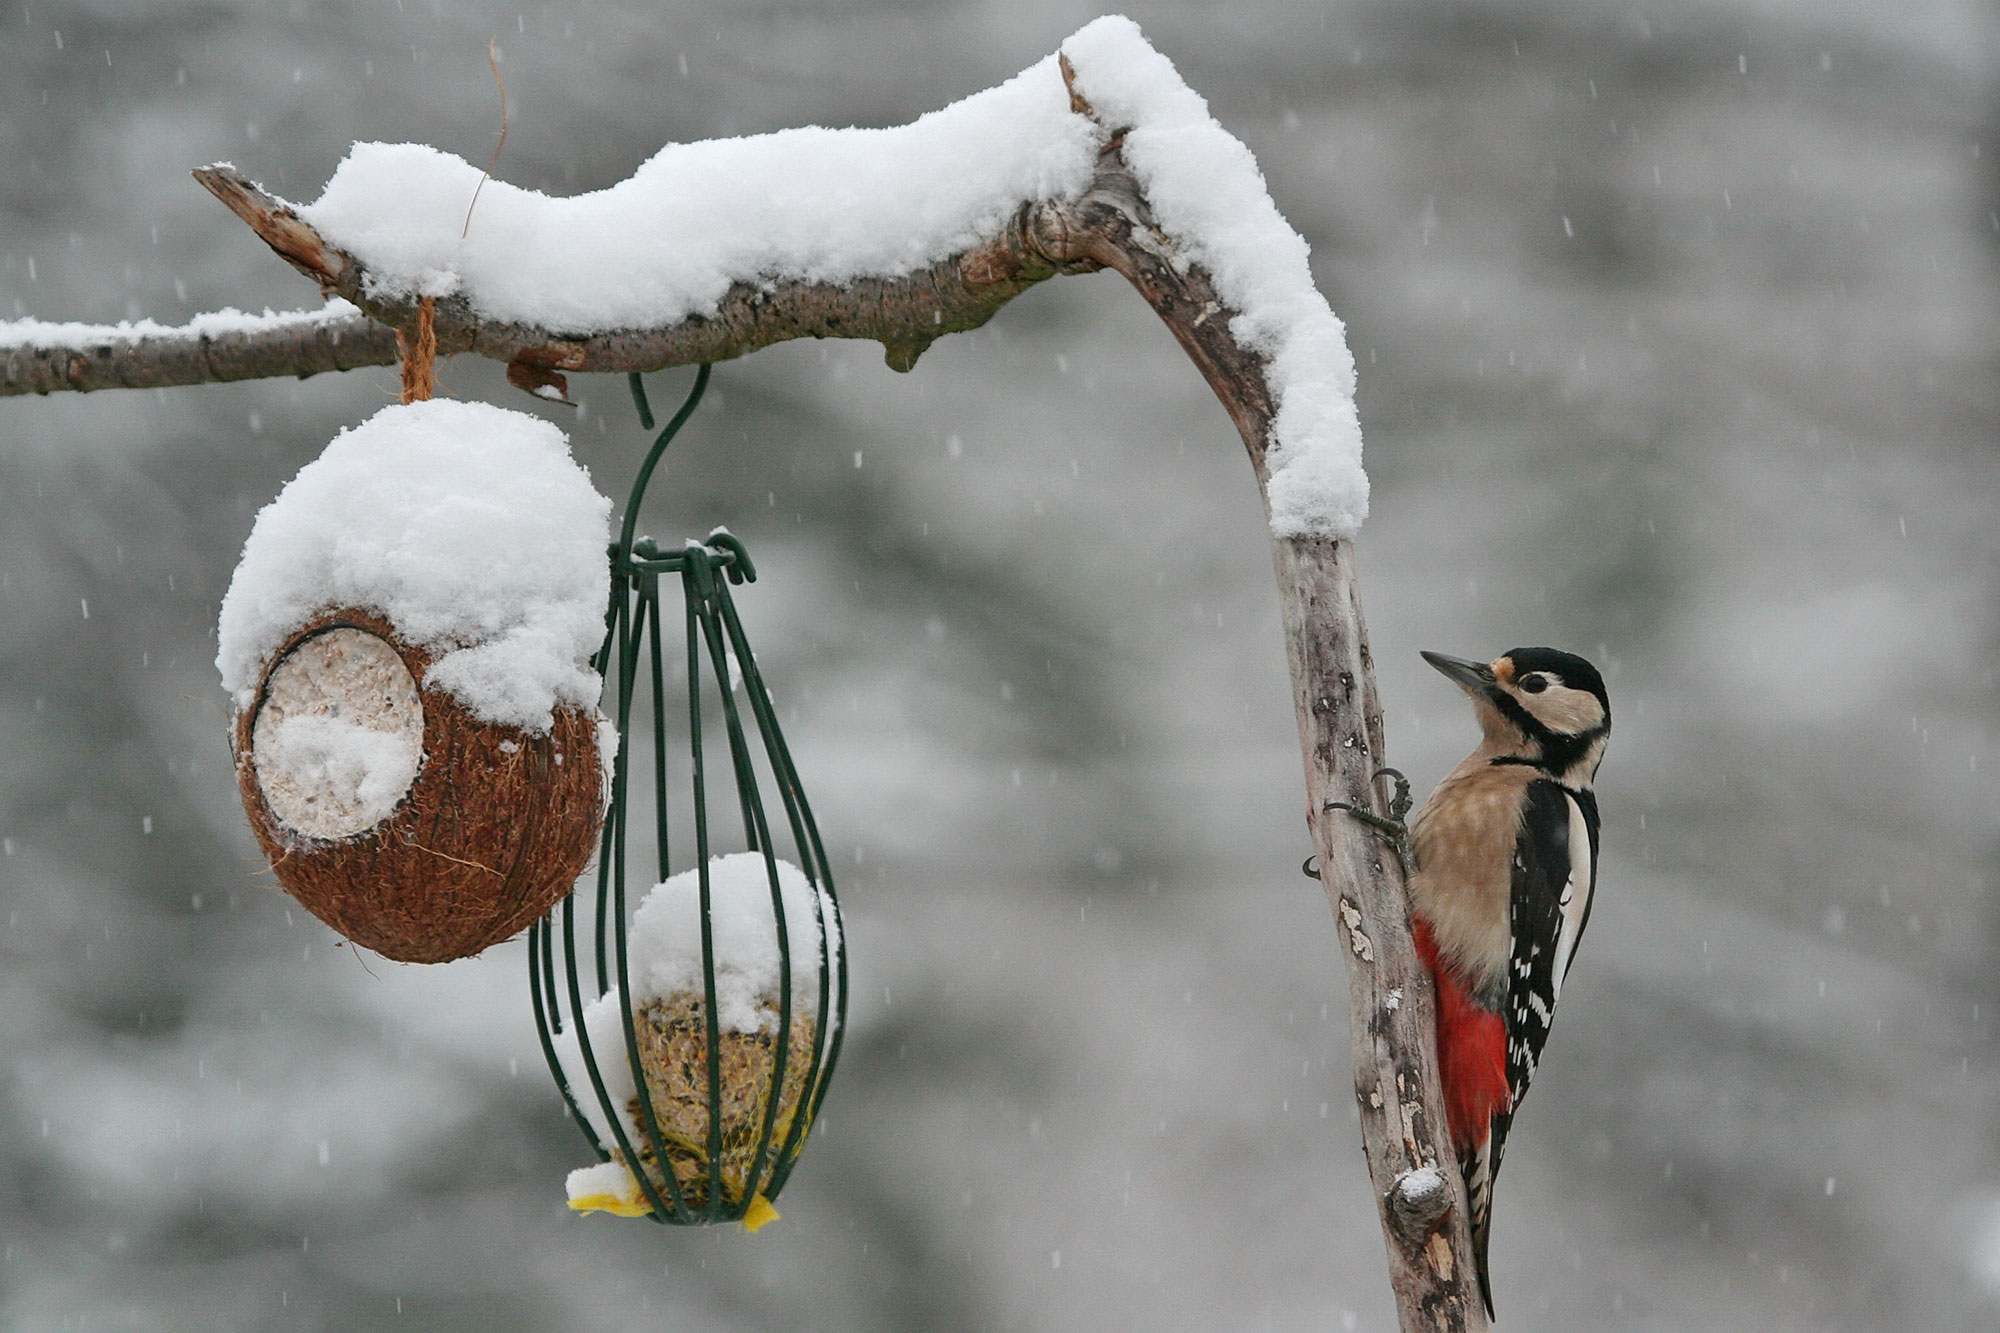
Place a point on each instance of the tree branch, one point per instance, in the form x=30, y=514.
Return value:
x=46, y=358
x=1392, y=1024
x=906, y=314
x=1391, y=1014
x=1419, y=1196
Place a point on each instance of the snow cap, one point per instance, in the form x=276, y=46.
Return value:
x=1209, y=196
x=469, y=527
x=814, y=204
x=664, y=959
x=665, y=939
x=835, y=205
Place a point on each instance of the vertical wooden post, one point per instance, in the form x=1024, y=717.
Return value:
x=1390, y=1002
x=1419, y=1192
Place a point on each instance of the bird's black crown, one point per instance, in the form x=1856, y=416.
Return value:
x=1574, y=671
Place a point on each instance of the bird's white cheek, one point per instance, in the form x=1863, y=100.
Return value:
x=1566, y=711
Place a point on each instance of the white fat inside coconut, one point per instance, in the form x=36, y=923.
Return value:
x=340, y=736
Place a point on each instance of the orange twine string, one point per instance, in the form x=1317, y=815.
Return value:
x=420, y=353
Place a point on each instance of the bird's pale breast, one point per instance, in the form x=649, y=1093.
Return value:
x=1465, y=837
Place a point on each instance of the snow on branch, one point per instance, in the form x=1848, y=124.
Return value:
x=905, y=312
x=716, y=248
x=39, y=357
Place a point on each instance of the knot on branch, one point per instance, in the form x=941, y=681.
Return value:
x=1418, y=1202
x=901, y=354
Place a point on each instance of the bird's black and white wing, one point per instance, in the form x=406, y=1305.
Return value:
x=1555, y=874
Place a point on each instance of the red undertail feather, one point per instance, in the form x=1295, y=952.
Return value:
x=1472, y=1054
x=1472, y=1062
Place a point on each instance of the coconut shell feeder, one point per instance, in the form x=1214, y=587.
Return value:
x=408, y=640
x=471, y=833
x=692, y=1039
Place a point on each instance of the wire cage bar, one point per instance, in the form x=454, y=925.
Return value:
x=737, y=1104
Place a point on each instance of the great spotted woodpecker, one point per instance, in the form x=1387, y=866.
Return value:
x=1505, y=867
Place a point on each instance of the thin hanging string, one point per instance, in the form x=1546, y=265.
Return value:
x=420, y=353
x=493, y=60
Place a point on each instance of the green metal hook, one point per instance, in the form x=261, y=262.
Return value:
x=658, y=450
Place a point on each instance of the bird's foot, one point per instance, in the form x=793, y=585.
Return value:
x=1391, y=826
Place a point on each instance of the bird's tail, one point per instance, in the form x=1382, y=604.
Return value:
x=1481, y=1230
x=1479, y=1167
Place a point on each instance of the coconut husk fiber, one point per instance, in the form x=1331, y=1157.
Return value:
x=492, y=833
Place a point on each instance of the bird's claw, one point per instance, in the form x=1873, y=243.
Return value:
x=1391, y=826
x=1399, y=804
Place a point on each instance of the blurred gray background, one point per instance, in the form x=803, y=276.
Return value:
x=1677, y=333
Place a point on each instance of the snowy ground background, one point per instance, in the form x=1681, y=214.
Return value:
x=1678, y=327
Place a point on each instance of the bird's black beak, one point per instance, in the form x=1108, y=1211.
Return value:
x=1473, y=677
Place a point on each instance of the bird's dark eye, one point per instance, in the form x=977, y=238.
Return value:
x=1533, y=684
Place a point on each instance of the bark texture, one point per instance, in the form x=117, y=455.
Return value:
x=1391, y=1008
x=110, y=358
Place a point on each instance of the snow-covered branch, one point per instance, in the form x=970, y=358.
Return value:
x=905, y=312
x=39, y=357
x=902, y=235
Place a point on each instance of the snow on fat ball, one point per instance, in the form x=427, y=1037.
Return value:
x=468, y=527
x=669, y=1019
x=834, y=205
x=665, y=939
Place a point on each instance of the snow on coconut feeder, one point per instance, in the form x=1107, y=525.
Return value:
x=407, y=641
x=695, y=1044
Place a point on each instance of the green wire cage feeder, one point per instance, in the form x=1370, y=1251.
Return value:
x=693, y=1035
